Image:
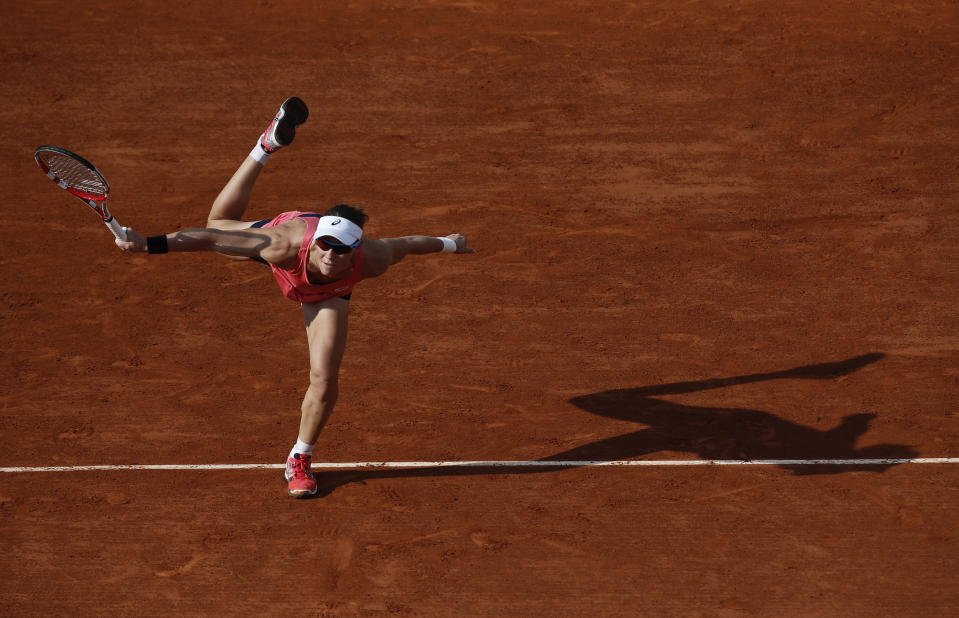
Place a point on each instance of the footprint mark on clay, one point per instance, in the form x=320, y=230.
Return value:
x=340, y=557
x=342, y=554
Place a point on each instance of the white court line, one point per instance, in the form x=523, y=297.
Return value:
x=373, y=465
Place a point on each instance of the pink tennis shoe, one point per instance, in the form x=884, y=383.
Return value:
x=299, y=478
x=282, y=130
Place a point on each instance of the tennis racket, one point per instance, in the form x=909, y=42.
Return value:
x=79, y=177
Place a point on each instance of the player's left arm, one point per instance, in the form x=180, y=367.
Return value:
x=380, y=254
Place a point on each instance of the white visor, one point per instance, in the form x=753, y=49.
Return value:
x=344, y=230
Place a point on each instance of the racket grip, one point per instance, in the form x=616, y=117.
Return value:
x=116, y=228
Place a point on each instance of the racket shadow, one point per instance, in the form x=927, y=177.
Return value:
x=708, y=432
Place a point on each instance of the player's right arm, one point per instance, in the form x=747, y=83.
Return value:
x=275, y=245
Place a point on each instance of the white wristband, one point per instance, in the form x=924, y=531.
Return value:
x=449, y=245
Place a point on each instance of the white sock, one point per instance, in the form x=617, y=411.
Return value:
x=261, y=156
x=301, y=447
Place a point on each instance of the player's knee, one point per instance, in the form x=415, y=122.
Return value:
x=218, y=224
x=323, y=389
x=324, y=382
x=227, y=224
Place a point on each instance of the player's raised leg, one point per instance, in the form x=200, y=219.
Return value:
x=230, y=205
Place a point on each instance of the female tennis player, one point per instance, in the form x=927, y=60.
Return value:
x=316, y=259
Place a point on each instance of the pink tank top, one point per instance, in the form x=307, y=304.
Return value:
x=295, y=282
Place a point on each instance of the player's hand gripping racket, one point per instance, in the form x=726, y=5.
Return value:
x=79, y=177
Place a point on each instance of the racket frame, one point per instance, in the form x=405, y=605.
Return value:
x=97, y=202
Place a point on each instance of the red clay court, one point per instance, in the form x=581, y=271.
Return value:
x=705, y=232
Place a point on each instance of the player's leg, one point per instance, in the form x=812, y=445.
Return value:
x=231, y=203
x=326, y=327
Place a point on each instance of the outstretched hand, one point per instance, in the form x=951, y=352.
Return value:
x=460, y=241
x=133, y=243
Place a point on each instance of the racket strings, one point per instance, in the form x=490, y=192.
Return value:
x=74, y=176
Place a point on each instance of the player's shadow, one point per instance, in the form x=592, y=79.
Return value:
x=732, y=433
x=710, y=433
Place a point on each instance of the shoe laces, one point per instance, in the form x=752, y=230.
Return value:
x=300, y=465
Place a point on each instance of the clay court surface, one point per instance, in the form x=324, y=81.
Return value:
x=705, y=231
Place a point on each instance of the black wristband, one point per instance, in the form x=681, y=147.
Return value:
x=157, y=244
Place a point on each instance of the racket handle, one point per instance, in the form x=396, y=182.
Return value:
x=116, y=228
